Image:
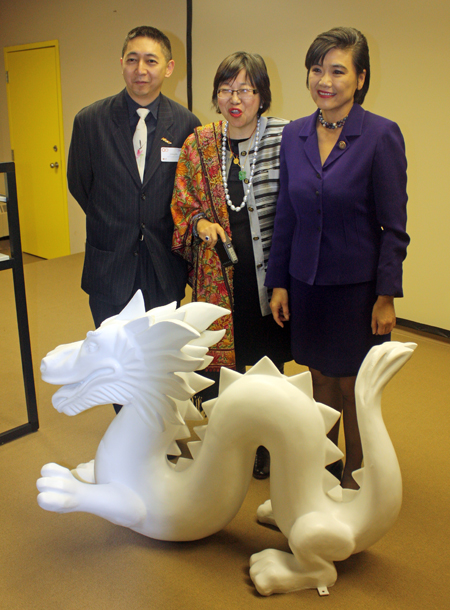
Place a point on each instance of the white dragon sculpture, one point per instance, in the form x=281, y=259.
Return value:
x=146, y=361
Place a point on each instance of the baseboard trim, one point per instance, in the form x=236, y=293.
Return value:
x=424, y=328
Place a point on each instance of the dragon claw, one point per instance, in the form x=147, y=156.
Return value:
x=58, y=489
x=274, y=571
x=264, y=514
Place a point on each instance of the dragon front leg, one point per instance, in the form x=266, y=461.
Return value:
x=316, y=540
x=61, y=492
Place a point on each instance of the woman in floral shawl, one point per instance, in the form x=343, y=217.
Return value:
x=226, y=187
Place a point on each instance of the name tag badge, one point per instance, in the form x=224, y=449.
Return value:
x=170, y=154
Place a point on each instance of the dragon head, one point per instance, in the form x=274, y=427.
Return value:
x=146, y=359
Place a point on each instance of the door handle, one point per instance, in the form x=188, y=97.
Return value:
x=55, y=165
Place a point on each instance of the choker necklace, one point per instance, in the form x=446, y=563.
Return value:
x=336, y=125
x=224, y=167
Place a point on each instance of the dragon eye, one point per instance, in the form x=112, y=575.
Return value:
x=91, y=346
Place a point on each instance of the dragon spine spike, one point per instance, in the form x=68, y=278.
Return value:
x=182, y=464
x=189, y=391
x=227, y=377
x=194, y=447
x=208, y=406
x=196, y=381
x=329, y=481
x=358, y=475
x=171, y=334
x=172, y=417
x=174, y=315
x=173, y=449
x=335, y=493
x=265, y=366
x=202, y=315
x=329, y=415
x=349, y=494
x=137, y=326
x=173, y=388
x=208, y=338
x=180, y=363
x=333, y=453
x=303, y=382
x=134, y=309
x=192, y=414
x=159, y=313
x=206, y=362
x=182, y=433
x=182, y=406
x=200, y=431
x=195, y=351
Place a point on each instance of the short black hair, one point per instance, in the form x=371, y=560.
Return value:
x=256, y=70
x=147, y=31
x=342, y=38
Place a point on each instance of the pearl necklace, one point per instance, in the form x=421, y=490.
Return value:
x=336, y=125
x=224, y=167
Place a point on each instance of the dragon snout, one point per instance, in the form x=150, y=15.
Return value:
x=45, y=366
x=57, y=367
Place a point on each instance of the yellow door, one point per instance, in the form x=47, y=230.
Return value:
x=35, y=120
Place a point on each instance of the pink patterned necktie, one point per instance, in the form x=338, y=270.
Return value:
x=140, y=141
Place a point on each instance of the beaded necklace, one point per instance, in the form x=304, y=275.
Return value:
x=224, y=167
x=336, y=125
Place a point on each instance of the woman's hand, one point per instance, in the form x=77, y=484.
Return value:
x=209, y=232
x=383, y=315
x=279, y=304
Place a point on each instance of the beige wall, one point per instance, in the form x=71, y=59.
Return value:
x=410, y=63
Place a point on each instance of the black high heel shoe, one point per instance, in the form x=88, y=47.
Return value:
x=261, y=469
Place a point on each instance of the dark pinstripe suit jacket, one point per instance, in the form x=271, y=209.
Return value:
x=104, y=179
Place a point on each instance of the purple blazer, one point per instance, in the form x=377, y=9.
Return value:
x=343, y=222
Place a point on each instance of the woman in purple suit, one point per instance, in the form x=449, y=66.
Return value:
x=339, y=239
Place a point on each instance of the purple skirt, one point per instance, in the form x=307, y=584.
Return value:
x=331, y=326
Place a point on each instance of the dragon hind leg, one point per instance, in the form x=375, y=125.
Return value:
x=316, y=540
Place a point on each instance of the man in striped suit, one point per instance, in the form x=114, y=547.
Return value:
x=128, y=221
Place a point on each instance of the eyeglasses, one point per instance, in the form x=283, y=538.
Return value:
x=243, y=94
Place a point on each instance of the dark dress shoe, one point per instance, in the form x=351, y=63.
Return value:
x=261, y=469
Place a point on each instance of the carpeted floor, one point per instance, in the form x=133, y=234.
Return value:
x=80, y=562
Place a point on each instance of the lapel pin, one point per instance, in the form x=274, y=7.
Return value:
x=342, y=145
x=166, y=141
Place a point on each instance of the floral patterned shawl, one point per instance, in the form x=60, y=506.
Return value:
x=199, y=189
